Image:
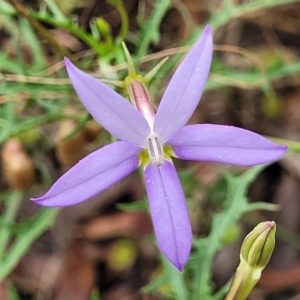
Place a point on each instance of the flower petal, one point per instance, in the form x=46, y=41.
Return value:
x=169, y=212
x=185, y=88
x=110, y=109
x=92, y=175
x=224, y=144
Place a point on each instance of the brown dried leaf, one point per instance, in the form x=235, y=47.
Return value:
x=69, y=151
x=135, y=224
x=77, y=277
x=276, y=280
x=18, y=168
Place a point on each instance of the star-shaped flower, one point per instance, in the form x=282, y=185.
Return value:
x=150, y=139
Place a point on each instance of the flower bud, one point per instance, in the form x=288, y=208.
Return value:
x=259, y=244
x=140, y=98
x=137, y=90
x=255, y=254
x=103, y=27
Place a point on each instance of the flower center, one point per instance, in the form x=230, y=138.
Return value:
x=155, y=150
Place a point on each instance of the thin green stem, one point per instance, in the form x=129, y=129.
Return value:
x=119, y=5
x=10, y=211
x=66, y=25
x=236, y=204
x=150, y=30
x=42, y=30
x=222, y=17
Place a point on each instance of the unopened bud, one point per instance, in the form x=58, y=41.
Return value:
x=137, y=90
x=140, y=98
x=18, y=168
x=255, y=254
x=103, y=27
x=259, y=244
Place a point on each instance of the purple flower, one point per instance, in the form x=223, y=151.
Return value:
x=150, y=139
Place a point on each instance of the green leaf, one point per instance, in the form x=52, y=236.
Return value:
x=150, y=31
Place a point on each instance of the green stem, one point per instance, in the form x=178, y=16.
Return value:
x=44, y=32
x=150, y=30
x=64, y=24
x=119, y=5
x=243, y=282
x=222, y=17
x=236, y=205
x=11, y=209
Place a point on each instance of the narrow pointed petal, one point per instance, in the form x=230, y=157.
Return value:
x=92, y=175
x=185, y=88
x=224, y=144
x=110, y=109
x=169, y=213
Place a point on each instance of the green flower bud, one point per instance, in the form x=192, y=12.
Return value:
x=259, y=244
x=255, y=254
x=103, y=27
